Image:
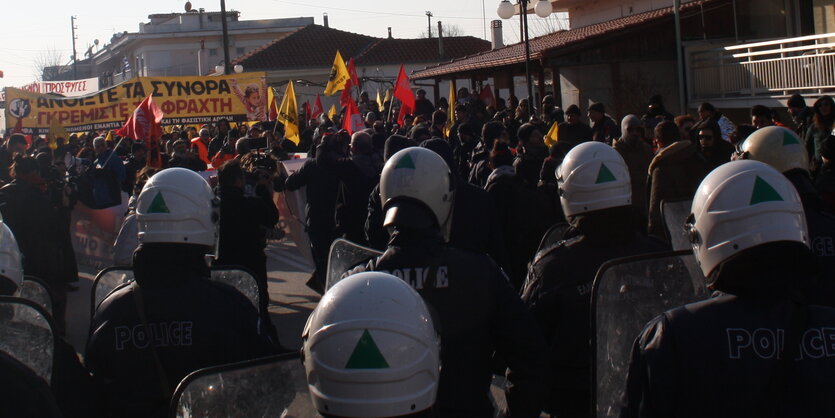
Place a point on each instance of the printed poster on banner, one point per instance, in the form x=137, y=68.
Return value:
x=184, y=100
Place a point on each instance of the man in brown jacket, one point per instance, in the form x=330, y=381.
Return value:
x=637, y=154
x=674, y=173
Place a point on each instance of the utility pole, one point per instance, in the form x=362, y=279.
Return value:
x=429, y=20
x=74, y=58
x=226, y=67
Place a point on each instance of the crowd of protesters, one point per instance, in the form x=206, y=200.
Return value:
x=503, y=157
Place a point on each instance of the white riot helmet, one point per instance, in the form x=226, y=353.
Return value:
x=371, y=350
x=739, y=205
x=776, y=146
x=417, y=176
x=593, y=176
x=11, y=263
x=178, y=206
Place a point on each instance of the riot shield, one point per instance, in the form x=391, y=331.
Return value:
x=238, y=277
x=292, y=206
x=553, y=235
x=35, y=290
x=675, y=213
x=268, y=387
x=26, y=334
x=343, y=256
x=628, y=293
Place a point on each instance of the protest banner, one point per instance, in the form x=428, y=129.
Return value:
x=184, y=100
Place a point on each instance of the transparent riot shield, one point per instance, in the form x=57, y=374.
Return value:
x=26, y=334
x=238, y=277
x=343, y=256
x=675, y=213
x=628, y=293
x=35, y=290
x=268, y=387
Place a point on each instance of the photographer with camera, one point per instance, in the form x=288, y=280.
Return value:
x=247, y=211
x=63, y=194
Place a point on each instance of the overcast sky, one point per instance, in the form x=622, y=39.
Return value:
x=34, y=29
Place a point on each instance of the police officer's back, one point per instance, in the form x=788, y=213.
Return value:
x=478, y=311
x=596, y=197
x=147, y=335
x=755, y=348
x=782, y=149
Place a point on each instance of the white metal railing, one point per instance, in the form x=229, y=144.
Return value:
x=764, y=69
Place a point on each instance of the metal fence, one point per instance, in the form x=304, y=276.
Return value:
x=764, y=69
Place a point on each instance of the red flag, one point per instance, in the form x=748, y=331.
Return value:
x=404, y=110
x=353, y=120
x=317, y=108
x=144, y=124
x=352, y=71
x=307, y=116
x=402, y=90
x=346, y=95
x=486, y=96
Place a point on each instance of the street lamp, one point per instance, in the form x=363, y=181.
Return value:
x=506, y=10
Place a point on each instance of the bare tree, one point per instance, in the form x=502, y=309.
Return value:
x=449, y=31
x=46, y=61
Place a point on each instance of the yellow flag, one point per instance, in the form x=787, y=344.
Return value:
x=387, y=99
x=379, y=101
x=109, y=136
x=288, y=114
x=331, y=112
x=450, y=113
x=553, y=134
x=339, y=76
x=56, y=131
x=271, y=110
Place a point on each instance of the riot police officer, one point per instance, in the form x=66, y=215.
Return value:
x=477, y=310
x=755, y=348
x=596, y=197
x=782, y=149
x=371, y=350
x=149, y=334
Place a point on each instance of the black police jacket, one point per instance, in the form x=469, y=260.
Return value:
x=478, y=313
x=558, y=293
x=719, y=358
x=193, y=322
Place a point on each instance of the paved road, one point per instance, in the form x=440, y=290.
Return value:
x=290, y=300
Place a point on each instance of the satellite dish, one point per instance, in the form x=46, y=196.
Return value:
x=188, y=6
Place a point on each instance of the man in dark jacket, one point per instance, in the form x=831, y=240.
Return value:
x=322, y=190
x=244, y=220
x=674, y=173
x=715, y=150
x=756, y=348
x=148, y=335
x=423, y=107
x=479, y=312
x=27, y=210
x=604, y=128
x=573, y=130
x=801, y=114
x=15, y=145
x=596, y=198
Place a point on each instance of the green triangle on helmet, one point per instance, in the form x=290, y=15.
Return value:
x=605, y=175
x=366, y=354
x=405, y=162
x=789, y=139
x=764, y=192
x=158, y=205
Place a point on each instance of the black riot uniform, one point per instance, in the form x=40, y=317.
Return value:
x=754, y=349
x=193, y=323
x=478, y=313
x=558, y=293
x=821, y=225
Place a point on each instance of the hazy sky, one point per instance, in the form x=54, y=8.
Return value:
x=34, y=29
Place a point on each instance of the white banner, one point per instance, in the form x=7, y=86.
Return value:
x=71, y=88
